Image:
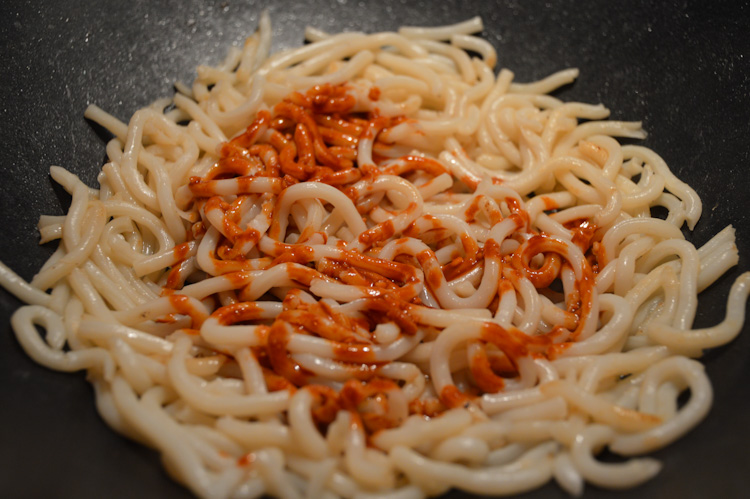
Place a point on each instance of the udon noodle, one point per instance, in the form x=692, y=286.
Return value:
x=371, y=267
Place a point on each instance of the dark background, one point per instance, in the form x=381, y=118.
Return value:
x=681, y=67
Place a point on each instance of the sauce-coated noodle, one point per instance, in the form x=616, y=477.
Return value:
x=370, y=266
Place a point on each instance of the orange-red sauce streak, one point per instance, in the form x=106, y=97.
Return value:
x=314, y=136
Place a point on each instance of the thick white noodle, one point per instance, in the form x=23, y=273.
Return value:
x=487, y=378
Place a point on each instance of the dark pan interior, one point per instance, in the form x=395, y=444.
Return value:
x=681, y=67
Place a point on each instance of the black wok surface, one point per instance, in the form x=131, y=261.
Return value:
x=681, y=67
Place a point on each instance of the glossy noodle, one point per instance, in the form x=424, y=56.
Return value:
x=370, y=266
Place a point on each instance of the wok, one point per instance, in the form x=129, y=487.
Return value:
x=681, y=67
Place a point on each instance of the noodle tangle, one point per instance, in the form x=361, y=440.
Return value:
x=369, y=266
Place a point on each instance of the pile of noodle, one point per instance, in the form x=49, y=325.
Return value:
x=369, y=266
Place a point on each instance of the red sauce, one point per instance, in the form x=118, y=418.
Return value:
x=316, y=320
x=452, y=397
x=434, y=277
x=335, y=137
x=245, y=185
x=246, y=460
x=389, y=269
x=237, y=279
x=549, y=204
x=325, y=404
x=429, y=407
x=518, y=213
x=283, y=365
x=182, y=305
x=483, y=375
x=355, y=393
x=295, y=254
x=540, y=277
x=582, y=308
x=181, y=251
x=492, y=249
x=374, y=93
x=237, y=312
x=176, y=275
x=380, y=232
x=394, y=310
x=361, y=353
x=313, y=136
x=472, y=210
x=300, y=274
x=269, y=156
x=276, y=383
x=583, y=233
x=410, y=163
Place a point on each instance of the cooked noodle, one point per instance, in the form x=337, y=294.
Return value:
x=370, y=266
